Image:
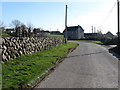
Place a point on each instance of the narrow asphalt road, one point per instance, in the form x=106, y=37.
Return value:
x=89, y=66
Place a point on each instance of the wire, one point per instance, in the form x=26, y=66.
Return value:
x=108, y=15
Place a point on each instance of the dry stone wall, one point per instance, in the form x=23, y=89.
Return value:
x=14, y=47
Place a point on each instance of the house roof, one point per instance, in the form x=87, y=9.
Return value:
x=89, y=34
x=74, y=28
x=109, y=33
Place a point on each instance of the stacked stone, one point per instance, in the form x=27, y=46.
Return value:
x=14, y=47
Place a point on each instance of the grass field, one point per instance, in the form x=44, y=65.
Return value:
x=25, y=68
x=5, y=35
x=91, y=41
x=52, y=35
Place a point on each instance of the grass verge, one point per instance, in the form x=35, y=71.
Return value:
x=91, y=41
x=25, y=68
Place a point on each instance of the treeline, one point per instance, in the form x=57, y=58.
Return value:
x=21, y=30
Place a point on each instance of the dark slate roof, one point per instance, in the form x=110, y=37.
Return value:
x=73, y=28
x=109, y=33
x=90, y=34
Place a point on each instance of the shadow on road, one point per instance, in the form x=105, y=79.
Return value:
x=86, y=54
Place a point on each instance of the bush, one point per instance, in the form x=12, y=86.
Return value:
x=109, y=41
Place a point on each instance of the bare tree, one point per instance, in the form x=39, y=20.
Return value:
x=24, y=30
x=16, y=24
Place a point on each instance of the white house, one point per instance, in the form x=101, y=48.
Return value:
x=74, y=32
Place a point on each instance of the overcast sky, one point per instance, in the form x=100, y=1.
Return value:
x=49, y=14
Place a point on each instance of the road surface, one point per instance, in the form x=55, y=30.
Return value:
x=89, y=66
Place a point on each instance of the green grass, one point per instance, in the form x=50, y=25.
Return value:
x=25, y=68
x=91, y=41
x=5, y=35
x=53, y=35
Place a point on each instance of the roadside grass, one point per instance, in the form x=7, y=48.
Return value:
x=53, y=35
x=25, y=68
x=91, y=41
x=116, y=50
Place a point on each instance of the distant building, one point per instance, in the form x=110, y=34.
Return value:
x=37, y=32
x=109, y=35
x=90, y=35
x=55, y=32
x=47, y=31
x=117, y=33
x=74, y=32
x=9, y=31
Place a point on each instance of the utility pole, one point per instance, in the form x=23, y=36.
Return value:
x=66, y=25
x=92, y=28
x=95, y=29
x=118, y=24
